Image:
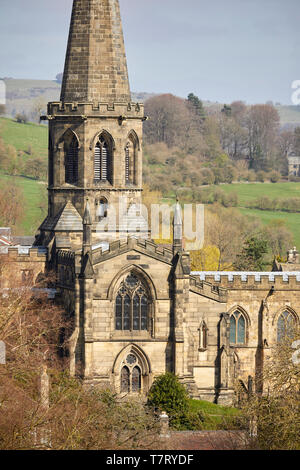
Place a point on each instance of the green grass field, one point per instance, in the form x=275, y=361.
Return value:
x=215, y=416
x=21, y=136
x=34, y=192
x=250, y=192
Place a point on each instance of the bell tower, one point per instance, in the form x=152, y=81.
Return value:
x=95, y=131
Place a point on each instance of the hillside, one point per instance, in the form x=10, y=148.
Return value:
x=35, y=136
x=21, y=95
x=23, y=136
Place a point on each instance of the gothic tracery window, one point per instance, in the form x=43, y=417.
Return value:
x=285, y=325
x=237, y=328
x=132, y=305
x=71, y=161
x=102, y=160
x=131, y=375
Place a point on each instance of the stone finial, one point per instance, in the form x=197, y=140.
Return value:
x=177, y=228
x=96, y=67
x=87, y=219
x=293, y=256
x=87, y=228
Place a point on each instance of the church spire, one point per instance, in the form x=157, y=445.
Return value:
x=96, y=67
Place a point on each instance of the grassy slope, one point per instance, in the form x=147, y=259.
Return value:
x=22, y=136
x=32, y=191
x=215, y=415
x=250, y=192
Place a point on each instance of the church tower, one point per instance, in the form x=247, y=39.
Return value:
x=95, y=131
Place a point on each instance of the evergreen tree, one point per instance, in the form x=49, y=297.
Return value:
x=196, y=105
x=251, y=257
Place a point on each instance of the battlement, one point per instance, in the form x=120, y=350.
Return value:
x=38, y=253
x=105, y=249
x=208, y=290
x=250, y=280
x=94, y=110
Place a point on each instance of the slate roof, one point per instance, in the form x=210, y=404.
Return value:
x=67, y=220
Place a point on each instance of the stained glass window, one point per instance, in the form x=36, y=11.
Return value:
x=285, y=325
x=136, y=379
x=119, y=313
x=125, y=380
x=237, y=328
x=132, y=305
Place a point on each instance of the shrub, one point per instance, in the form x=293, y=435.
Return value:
x=21, y=118
x=230, y=200
x=261, y=176
x=207, y=176
x=169, y=395
x=251, y=176
x=275, y=177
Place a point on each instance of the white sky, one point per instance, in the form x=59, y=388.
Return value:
x=221, y=50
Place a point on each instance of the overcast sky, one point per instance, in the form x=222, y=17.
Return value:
x=221, y=50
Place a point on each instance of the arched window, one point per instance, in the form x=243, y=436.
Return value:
x=71, y=161
x=131, y=375
x=203, y=336
x=237, y=328
x=132, y=305
x=102, y=160
x=101, y=209
x=286, y=324
x=130, y=160
x=125, y=380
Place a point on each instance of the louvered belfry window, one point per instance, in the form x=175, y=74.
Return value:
x=127, y=163
x=102, y=161
x=71, y=163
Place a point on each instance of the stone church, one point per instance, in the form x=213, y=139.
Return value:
x=138, y=309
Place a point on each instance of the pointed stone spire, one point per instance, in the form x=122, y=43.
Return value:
x=87, y=228
x=96, y=67
x=177, y=228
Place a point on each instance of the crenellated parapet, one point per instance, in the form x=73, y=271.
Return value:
x=84, y=111
x=22, y=253
x=108, y=250
x=250, y=280
x=208, y=289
